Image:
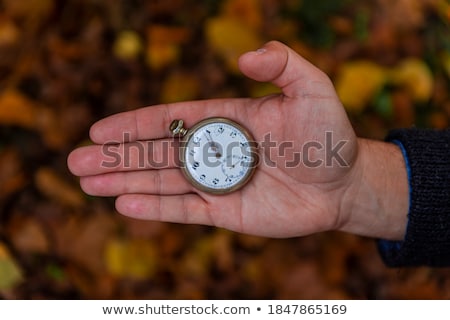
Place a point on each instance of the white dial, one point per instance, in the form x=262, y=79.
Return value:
x=218, y=155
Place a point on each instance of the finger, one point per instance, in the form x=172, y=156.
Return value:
x=277, y=63
x=140, y=155
x=158, y=182
x=153, y=122
x=188, y=208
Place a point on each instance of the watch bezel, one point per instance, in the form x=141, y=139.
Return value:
x=218, y=191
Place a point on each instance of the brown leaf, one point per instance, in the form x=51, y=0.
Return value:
x=28, y=235
x=55, y=187
x=180, y=86
x=164, y=43
x=17, y=110
x=12, y=177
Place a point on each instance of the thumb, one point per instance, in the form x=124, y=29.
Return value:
x=295, y=76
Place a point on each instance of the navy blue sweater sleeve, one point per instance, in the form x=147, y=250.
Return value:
x=427, y=239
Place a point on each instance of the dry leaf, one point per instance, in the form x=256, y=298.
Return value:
x=9, y=33
x=128, y=45
x=164, y=45
x=17, y=110
x=31, y=9
x=445, y=58
x=28, y=236
x=56, y=188
x=249, y=12
x=12, y=176
x=230, y=37
x=10, y=273
x=357, y=82
x=134, y=259
x=180, y=86
x=415, y=76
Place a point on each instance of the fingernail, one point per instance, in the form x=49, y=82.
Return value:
x=261, y=50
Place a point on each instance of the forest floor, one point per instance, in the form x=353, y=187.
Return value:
x=66, y=64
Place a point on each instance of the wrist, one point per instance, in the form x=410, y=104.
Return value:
x=376, y=202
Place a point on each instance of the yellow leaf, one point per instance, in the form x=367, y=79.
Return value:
x=159, y=56
x=135, y=259
x=128, y=45
x=164, y=45
x=10, y=273
x=261, y=89
x=179, y=86
x=357, y=82
x=415, y=76
x=230, y=38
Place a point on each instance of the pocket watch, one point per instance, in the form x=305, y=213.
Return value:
x=217, y=155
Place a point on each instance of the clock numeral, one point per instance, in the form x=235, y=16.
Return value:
x=197, y=140
x=191, y=153
x=245, y=144
x=228, y=179
x=233, y=134
x=203, y=177
x=220, y=130
x=195, y=165
x=215, y=181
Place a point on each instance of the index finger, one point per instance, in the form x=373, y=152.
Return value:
x=153, y=122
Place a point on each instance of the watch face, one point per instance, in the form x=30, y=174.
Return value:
x=219, y=156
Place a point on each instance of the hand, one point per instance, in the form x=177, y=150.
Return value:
x=311, y=177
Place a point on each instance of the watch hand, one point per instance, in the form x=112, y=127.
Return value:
x=212, y=144
x=239, y=160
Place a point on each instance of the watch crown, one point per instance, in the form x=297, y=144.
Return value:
x=176, y=127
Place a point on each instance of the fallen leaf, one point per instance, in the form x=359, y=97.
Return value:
x=31, y=9
x=249, y=12
x=415, y=76
x=229, y=38
x=10, y=272
x=261, y=89
x=82, y=238
x=128, y=45
x=12, y=176
x=180, y=86
x=128, y=258
x=9, y=33
x=357, y=82
x=56, y=188
x=17, y=110
x=445, y=58
x=164, y=43
x=28, y=235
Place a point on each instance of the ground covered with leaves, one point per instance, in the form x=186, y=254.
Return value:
x=66, y=64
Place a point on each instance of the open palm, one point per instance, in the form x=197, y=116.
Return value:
x=307, y=150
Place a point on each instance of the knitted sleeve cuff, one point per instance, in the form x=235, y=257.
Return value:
x=427, y=239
